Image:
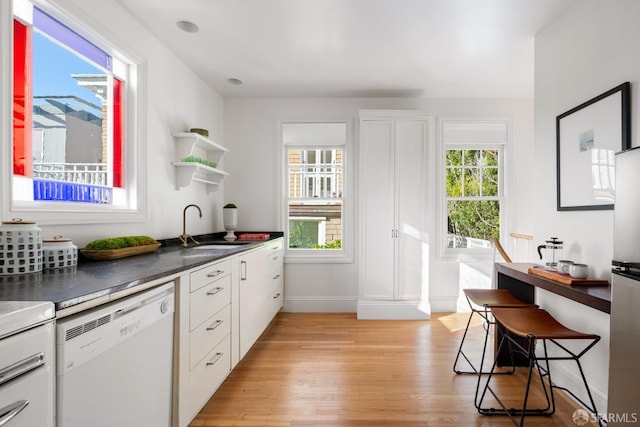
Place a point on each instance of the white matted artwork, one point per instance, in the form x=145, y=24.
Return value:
x=587, y=138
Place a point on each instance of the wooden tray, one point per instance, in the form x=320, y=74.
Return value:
x=565, y=279
x=108, y=254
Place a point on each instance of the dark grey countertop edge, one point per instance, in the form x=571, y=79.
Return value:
x=91, y=280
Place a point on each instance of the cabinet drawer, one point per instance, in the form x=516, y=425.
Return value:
x=208, y=274
x=274, y=255
x=276, y=301
x=206, y=336
x=207, y=376
x=276, y=279
x=208, y=300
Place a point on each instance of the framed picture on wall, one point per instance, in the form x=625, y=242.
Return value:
x=587, y=138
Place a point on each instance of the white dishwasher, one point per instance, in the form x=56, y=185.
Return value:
x=115, y=363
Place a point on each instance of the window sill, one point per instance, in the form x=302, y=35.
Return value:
x=318, y=259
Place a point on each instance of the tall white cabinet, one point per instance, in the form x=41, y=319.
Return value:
x=393, y=152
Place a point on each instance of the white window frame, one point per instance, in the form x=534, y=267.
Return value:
x=134, y=145
x=504, y=173
x=313, y=256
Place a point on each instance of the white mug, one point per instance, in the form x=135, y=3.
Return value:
x=579, y=271
x=563, y=266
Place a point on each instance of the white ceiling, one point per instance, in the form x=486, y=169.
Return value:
x=355, y=48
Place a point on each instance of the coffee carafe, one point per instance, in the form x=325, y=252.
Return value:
x=552, y=252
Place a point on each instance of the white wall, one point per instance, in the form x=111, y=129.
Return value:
x=589, y=49
x=177, y=100
x=251, y=134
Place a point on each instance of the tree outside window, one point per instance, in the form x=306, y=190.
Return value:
x=473, y=197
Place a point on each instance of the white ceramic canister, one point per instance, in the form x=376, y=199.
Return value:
x=20, y=247
x=59, y=253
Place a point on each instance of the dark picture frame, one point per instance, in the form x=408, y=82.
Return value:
x=587, y=138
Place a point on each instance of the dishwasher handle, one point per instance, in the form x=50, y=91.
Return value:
x=10, y=411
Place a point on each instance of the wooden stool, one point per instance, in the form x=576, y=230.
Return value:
x=536, y=324
x=487, y=299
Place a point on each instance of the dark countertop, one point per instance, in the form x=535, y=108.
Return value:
x=66, y=287
x=598, y=297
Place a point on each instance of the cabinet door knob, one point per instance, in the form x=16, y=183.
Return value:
x=276, y=296
x=277, y=276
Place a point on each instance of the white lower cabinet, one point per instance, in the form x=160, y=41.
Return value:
x=261, y=293
x=223, y=308
x=203, y=354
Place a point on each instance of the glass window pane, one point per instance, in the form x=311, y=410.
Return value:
x=57, y=30
x=454, y=182
x=472, y=181
x=472, y=223
x=315, y=225
x=471, y=157
x=490, y=157
x=490, y=182
x=454, y=158
x=70, y=142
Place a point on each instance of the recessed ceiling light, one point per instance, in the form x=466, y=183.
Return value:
x=234, y=81
x=188, y=26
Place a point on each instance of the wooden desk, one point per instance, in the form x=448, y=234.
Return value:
x=521, y=284
x=515, y=278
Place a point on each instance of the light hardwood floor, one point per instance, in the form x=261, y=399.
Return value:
x=334, y=370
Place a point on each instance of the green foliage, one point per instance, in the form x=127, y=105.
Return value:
x=473, y=173
x=119, y=243
x=336, y=244
x=297, y=237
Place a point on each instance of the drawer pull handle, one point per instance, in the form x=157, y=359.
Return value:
x=277, y=276
x=8, y=412
x=214, y=359
x=243, y=270
x=215, y=290
x=275, y=257
x=22, y=367
x=276, y=296
x=215, y=273
x=215, y=325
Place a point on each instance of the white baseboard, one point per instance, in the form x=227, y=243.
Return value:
x=322, y=304
x=443, y=304
x=393, y=310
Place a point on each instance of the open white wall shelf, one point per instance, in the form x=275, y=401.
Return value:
x=195, y=156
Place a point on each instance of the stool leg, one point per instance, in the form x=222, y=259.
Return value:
x=485, y=314
x=460, y=352
x=576, y=357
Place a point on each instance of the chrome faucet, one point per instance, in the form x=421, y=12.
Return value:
x=184, y=237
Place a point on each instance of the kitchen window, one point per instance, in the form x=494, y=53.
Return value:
x=316, y=206
x=74, y=138
x=472, y=164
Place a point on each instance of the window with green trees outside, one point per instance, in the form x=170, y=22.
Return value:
x=473, y=196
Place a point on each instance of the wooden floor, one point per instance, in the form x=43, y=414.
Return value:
x=333, y=370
